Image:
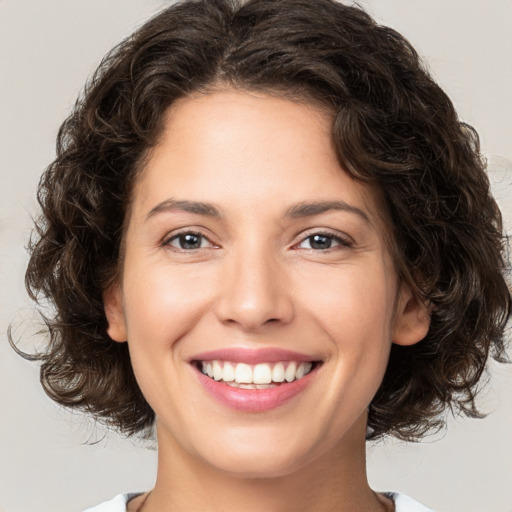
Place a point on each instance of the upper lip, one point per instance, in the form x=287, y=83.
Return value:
x=253, y=356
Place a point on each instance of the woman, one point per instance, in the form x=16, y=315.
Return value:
x=267, y=231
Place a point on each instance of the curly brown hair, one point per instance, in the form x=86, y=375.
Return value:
x=393, y=127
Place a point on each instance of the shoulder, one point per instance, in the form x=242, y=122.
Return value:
x=117, y=504
x=405, y=504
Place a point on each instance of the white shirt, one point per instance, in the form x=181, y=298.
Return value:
x=402, y=504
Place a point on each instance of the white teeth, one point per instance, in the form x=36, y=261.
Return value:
x=290, y=372
x=228, y=372
x=278, y=373
x=260, y=376
x=217, y=370
x=243, y=373
x=249, y=386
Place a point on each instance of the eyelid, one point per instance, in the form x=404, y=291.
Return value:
x=186, y=231
x=343, y=239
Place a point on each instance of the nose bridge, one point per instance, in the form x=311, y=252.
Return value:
x=254, y=290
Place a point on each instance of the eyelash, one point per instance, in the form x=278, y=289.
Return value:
x=167, y=242
x=343, y=242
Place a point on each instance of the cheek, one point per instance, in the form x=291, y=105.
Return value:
x=163, y=304
x=354, y=310
x=352, y=302
x=164, y=301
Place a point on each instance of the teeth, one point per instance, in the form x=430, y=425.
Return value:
x=290, y=372
x=217, y=370
x=250, y=386
x=243, y=373
x=260, y=376
x=278, y=373
x=228, y=372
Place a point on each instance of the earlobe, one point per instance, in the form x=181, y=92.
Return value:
x=412, y=319
x=113, y=304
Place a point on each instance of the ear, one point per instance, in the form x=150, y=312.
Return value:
x=412, y=318
x=113, y=304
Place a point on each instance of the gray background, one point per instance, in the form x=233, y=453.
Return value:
x=47, y=50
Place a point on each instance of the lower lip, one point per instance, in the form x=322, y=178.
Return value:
x=255, y=400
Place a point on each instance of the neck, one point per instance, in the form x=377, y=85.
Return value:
x=333, y=481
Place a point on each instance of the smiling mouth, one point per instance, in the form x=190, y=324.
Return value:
x=257, y=376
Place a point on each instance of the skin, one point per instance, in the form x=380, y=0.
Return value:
x=257, y=281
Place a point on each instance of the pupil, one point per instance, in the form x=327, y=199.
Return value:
x=190, y=241
x=320, y=242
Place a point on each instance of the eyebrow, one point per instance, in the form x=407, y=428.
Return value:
x=199, y=208
x=296, y=211
x=315, y=208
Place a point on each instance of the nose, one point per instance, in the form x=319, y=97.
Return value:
x=254, y=293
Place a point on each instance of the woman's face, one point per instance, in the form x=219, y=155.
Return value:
x=258, y=296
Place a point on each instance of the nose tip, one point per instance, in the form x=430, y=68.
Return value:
x=254, y=296
x=252, y=315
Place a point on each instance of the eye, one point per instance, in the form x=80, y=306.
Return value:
x=188, y=241
x=323, y=241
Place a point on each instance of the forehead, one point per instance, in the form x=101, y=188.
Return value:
x=251, y=149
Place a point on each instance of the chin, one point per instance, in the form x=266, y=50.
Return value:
x=246, y=467
x=259, y=456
